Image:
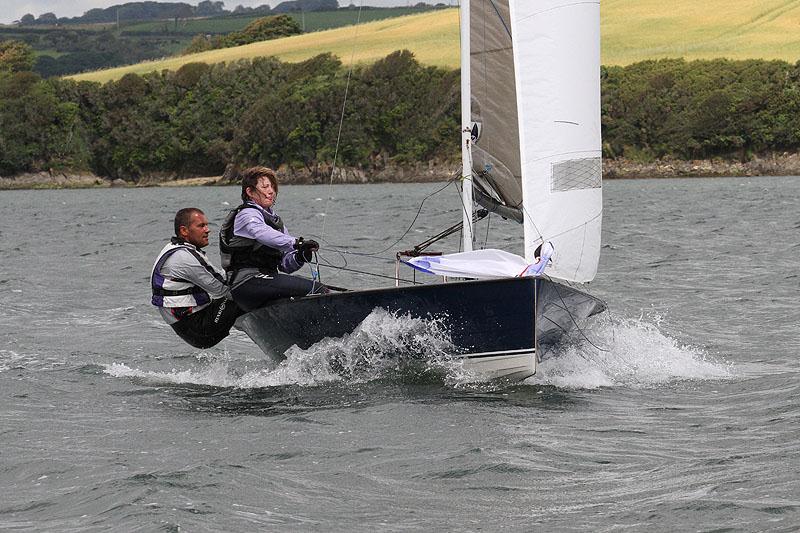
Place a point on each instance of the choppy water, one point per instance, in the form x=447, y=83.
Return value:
x=682, y=413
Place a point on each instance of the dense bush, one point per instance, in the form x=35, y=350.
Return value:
x=700, y=109
x=198, y=119
x=262, y=29
x=81, y=50
x=38, y=130
x=15, y=56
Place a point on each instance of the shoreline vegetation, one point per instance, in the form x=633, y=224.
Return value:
x=775, y=164
x=666, y=118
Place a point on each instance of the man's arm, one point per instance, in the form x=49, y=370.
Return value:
x=184, y=265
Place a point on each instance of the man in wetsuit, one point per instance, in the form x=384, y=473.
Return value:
x=190, y=293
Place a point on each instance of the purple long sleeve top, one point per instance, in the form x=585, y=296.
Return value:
x=250, y=224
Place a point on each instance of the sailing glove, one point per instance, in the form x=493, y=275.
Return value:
x=305, y=249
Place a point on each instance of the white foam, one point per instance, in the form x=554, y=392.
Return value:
x=382, y=346
x=626, y=353
x=9, y=359
x=215, y=374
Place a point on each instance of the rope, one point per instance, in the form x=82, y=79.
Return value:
x=488, y=224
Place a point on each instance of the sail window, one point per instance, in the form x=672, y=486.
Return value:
x=576, y=174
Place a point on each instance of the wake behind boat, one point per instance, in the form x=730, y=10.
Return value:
x=531, y=152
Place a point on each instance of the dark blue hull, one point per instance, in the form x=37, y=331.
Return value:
x=488, y=322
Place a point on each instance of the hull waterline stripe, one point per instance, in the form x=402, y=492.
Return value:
x=524, y=351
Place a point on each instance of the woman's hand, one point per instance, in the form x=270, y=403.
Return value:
x=305, y=249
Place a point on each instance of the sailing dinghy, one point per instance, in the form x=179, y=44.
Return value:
x=531, y=152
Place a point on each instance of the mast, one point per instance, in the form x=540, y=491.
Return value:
x=466, y=127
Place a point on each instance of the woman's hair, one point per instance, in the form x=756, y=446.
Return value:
x=251, y=176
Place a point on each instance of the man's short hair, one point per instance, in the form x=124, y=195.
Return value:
x=184, y=217
x=251, y=176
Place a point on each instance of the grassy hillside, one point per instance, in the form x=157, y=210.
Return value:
x=632, y=30
x=312, y=21
x=433, y=37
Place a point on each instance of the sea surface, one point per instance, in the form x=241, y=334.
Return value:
x=677, y=410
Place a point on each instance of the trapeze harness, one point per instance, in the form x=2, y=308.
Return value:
x=240, y=252
x=252, y=267
x=181, y=297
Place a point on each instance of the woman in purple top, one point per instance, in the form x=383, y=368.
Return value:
x=257, y=253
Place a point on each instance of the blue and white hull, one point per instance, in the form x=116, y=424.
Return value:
x=494, y=326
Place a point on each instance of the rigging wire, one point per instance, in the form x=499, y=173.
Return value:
x=572, y=317
x=333, y=170
x=341, y=117
x=415, y=218
x=373, y=274
x=406, y=232
x=315, y=270
x=502, y=21
x=488, y=224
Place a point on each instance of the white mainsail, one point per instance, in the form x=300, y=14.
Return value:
x=535, y=81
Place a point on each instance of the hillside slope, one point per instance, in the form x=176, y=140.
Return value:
x=433, y=37
x=632, y=30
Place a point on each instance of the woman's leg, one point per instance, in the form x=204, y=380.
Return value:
x=262, y=289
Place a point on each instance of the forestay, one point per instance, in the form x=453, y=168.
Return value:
x=535, y=73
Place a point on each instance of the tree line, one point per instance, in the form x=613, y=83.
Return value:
x=261, y=29
x=79, y=50
x=196, y=120
x=152, y=10
x=199, y=118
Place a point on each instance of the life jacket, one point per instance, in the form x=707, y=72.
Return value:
x=177, y=294
x=240, y=252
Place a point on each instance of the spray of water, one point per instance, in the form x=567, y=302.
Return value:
x=384, y=346
x=626, y=353
x=631, y=353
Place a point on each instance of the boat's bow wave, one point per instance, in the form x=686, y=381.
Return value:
x=384, y=346
x=626, y=353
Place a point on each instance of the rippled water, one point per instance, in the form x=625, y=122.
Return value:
x=677, y=410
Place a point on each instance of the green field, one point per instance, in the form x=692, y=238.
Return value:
x=311, y=21
x=432, y=36
x=48, y=52
x=632, y=30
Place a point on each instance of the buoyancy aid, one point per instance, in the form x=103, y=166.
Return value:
x=240, y=252
x=176, y=293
